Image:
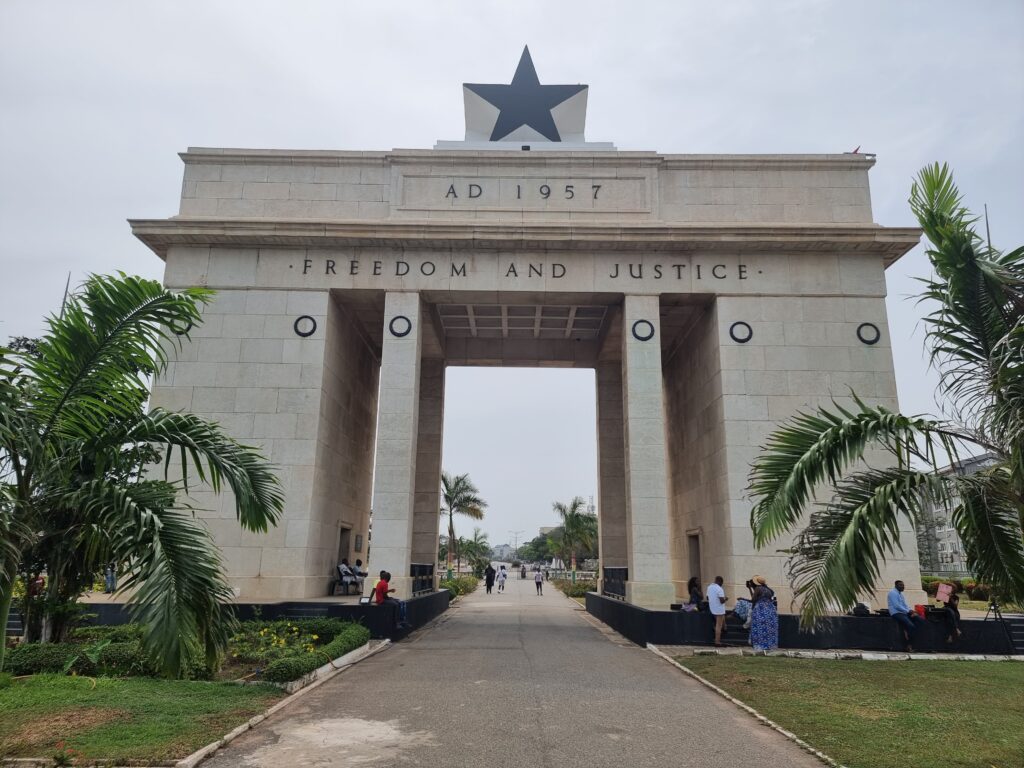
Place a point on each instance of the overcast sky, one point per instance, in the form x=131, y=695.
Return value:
x=97, y=98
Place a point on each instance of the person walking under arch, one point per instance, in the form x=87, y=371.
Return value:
x=538, y=580
x=489, y=577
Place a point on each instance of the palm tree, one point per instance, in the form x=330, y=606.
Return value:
x=976, y=339
x=477, y=550
x=461, y=497
x=579, y=527
x=74, y=439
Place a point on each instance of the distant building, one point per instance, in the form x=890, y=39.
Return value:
x=502, y=552
x=546, y=529
x=939, y=547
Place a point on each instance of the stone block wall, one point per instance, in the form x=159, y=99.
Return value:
x=345, y=443
x=538, y=187
x=804, y=353
x=696, y=442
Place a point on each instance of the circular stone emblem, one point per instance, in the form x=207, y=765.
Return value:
x=643, y=330
x=400, y=326
x=304, y=326
x=868, y=333
x=741, y=332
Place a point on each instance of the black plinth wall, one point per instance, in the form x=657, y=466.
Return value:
x=869, y=633
x=380, y=620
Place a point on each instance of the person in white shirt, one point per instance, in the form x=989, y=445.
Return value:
x=538, y=581
x=502, y=575
x=716, y=603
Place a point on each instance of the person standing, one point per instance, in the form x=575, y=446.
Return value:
x=716, y=604
x=538, y=580
x=489, y=577
x=502, y=575
x=901, y=613
x=764, y=617
x=522, y=571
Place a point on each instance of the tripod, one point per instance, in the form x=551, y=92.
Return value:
x=997, y=615
x=993, y=610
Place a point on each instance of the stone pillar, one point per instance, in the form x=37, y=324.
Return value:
x=647, y=520
x=427, y=505
x=611, y=493
x=397, y=427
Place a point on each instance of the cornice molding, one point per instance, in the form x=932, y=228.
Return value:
x=405, y=157
x=888, y=242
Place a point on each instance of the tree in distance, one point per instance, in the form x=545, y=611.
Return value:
x=975, y=336
x=476, y=550
x=74, y=496
x=579, y=528
x=459, y=497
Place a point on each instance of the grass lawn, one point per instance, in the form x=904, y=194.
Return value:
x=877, y=714
x=122, y=718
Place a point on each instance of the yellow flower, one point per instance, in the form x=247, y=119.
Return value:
x=316, y=637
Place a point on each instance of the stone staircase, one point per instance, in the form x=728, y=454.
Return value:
x=1015, y=628
x=14, y=625
x=734, y=633
x=313, y=611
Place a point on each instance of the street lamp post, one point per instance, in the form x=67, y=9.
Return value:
x=515, y=544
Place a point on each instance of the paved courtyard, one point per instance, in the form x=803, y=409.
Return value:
x=512, y=680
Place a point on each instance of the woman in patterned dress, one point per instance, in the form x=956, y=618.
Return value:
x=764, y=624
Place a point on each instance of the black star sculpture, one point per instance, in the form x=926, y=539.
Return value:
x=525, y=101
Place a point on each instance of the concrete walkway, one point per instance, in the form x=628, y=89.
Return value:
x=512, y=680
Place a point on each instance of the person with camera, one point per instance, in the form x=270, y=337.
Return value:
x=764, y=616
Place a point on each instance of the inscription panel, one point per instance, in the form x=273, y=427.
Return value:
x=525, y=193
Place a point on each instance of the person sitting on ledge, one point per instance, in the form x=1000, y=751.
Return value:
x=906, y=618
x=696, y=594
x=381, y=594
x=349, y=576
x=952, y=617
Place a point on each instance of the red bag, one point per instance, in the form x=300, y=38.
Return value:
x=919, y=610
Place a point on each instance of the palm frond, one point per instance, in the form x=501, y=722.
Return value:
x=110, y=336
x=812, y=449
x=176, y=586
x=836, y=557
x=988, y=519
x=204, y=447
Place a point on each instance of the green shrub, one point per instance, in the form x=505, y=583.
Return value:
x=118, y=659
x=119, y=633
x=5, y=680
x=460, y=585
x=981, y=592
x=579, y=589
x=290, y=668
x=263, y=642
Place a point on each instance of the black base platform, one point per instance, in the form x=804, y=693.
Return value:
x=869, y=633
x=380, y=620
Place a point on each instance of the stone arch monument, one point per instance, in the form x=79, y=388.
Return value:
x=713, y=295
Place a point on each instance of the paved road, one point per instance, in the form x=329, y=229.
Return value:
x=512, y=680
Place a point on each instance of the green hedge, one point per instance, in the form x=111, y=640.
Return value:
x=460, y=585
x=579, y=589
x=121, y=659
x=115, y=660
x=293, y=667
x=117, y=633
